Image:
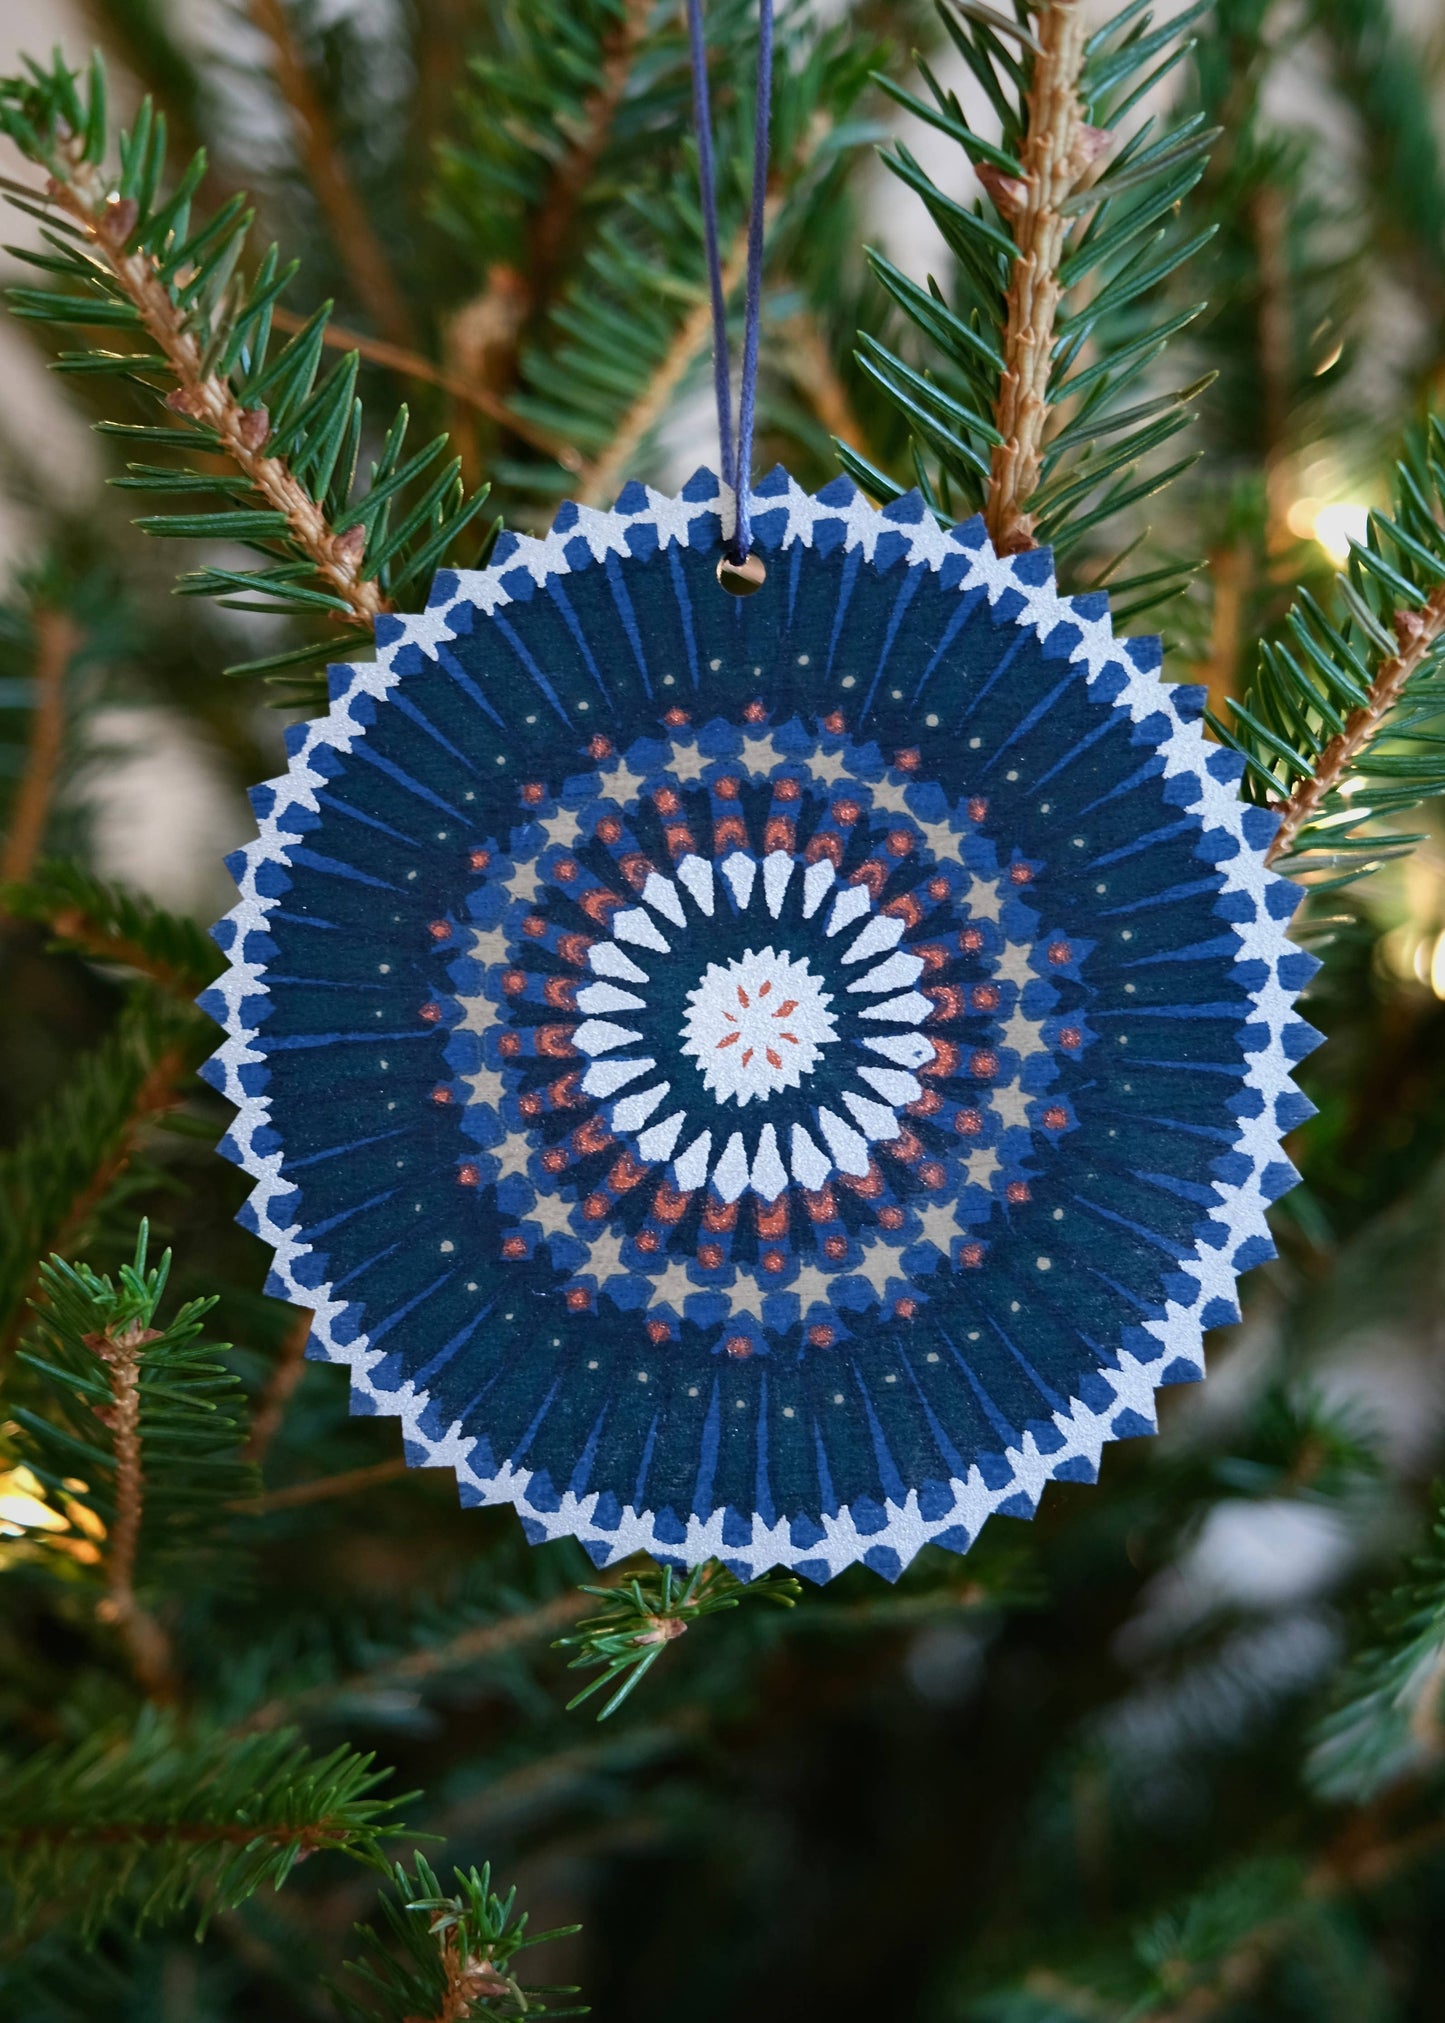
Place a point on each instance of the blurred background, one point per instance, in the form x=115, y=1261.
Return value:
x=1081, y=1773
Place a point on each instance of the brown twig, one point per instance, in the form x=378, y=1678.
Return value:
x=146, y=1641
x=56, y=639
x=351, y=228
x=277, y=1391
x=483, y=338
x=1417, y=632
x=1362, y=1857
x=322, y=1488
x=77, y=930
x=1059, y=149
x=107, y=223
x=470, y=1978
x=312, y=1835
x=412, y=365
x=469, y=1647
x=550, y=228
x=598, y=481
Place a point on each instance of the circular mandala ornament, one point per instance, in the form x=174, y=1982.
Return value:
x=774, y=1079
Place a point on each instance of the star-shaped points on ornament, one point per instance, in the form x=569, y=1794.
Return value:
x=671, y=1286
x=490, y=944
x=939, y=1225
x=552, y=1215
x=525, y=882
x=746, y=1295
x=604, y=1256
x=879, y=1265
x=479, y=1014
x=759, y=754
x=688, y=763
x=812, y=1286
x=512, y=1154
x=562, y=828
x=485, y=1085
x=621, y=784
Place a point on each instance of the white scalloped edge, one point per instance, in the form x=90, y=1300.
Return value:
x=1238, y=1218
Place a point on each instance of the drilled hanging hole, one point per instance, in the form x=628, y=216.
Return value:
x=741, y=579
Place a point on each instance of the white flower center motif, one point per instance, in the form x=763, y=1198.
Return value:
x=756, y=1025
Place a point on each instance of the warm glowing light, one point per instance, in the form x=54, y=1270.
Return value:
x=1437, y=966
x=22, y=1507
x=1333, y=523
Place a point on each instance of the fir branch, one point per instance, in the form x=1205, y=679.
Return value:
x=642, y=1617
x=150, y=1822
x=1059, y=149
x=1018, y=411
x=108, y=224
x=328, y=178
x=157, y=1481
x=74, y=1159
x=598, y=481
x=109, y=924
x=56, y=638
x=137, y=262
x=1389, y=1724
x=1420, y=634
x=412, y=365
x=477, y=1643
x=1337, y=729
x=630, y=324
x=440, y=1958
x=120, y=1349
x=552, y=223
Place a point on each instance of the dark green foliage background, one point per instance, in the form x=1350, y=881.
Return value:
x=1176, y=1750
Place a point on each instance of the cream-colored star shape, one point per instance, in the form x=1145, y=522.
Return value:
x=490, y=944
x=941, y=838
x=687, y=762
x=563, y=828
x=479, y=1014
x=878, y=1264
x=982, y=1165
x=746, y=1295
x=1023, y=1034
x=1014, y=964
x=940, y=1226
x=984, y=899
x=485, y=1085
x=671, y=1285
x=1010, y=1105
x=830, y=769
x=621, y=784
x=512, y=1154
x=892, y=794
x=525, y=882
x=759, y=754
x=812, y=1287
x=604, y=1256
x=552, y=1215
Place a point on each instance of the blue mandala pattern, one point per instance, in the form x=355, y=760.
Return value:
x=779, y=1079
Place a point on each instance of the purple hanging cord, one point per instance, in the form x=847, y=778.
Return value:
x=736, y=458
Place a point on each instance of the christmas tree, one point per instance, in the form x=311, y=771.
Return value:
x=346, y=295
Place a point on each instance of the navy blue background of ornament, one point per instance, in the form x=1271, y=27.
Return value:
x=950, y=674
